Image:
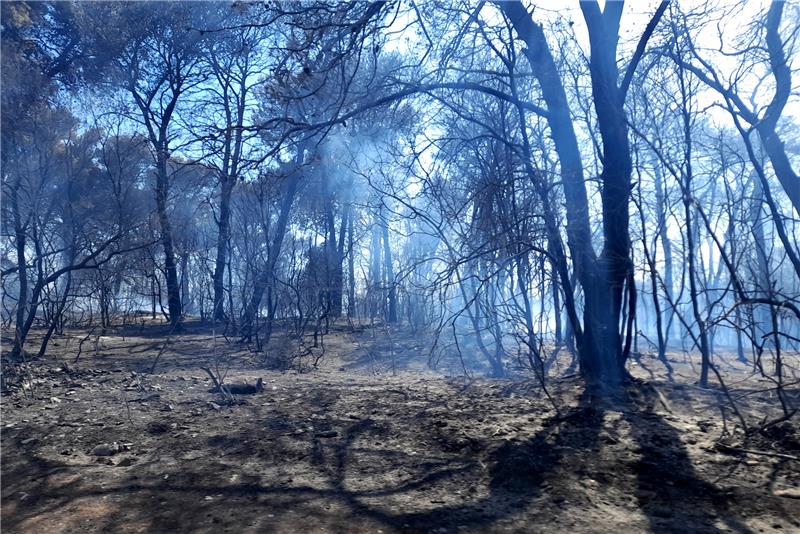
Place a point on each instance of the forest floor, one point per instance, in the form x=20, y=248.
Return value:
x=373, y=441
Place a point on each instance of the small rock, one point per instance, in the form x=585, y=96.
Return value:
x=106, y=449
x=157, y=427
x=126, y=462
x=327, y=434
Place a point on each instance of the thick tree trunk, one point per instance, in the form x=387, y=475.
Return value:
x=600, y=347
x=614, y=264
x=170, y=268
x=593, y=346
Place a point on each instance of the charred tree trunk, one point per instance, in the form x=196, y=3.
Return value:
x=603, y=278
x=21, y=237
x=185, y=300
x=772, y=144
x=614, y=266
x=391, y=310
x=692, y=233
x=666, y=245
x=650, y=257
x=265, y=278
x=170, y=268
x=334, y=274
x=351, y=270
x=554, y=287
x=223, y=239
x=376, y=296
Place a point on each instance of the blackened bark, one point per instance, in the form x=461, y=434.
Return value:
x=391, y=311
x=170, y=268
x=666, y=245
x=771, y=142
x=556, y=303
x=334, y=282
x=351, y=270
x=21, y=237
x=223, y=238
x=603, y=279
x=614, y=264
x=265, y=278
x=691, y=231
x=376, y=297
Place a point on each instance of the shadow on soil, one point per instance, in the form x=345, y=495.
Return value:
x=669, y=491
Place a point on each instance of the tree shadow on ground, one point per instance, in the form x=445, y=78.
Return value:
x=669, y=491
x=515, y=474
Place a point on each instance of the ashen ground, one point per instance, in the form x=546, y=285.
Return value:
x=353, y=448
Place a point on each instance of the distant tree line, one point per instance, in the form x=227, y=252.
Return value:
x=515, y=181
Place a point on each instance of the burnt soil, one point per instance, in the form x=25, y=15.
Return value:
x=374, y=441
